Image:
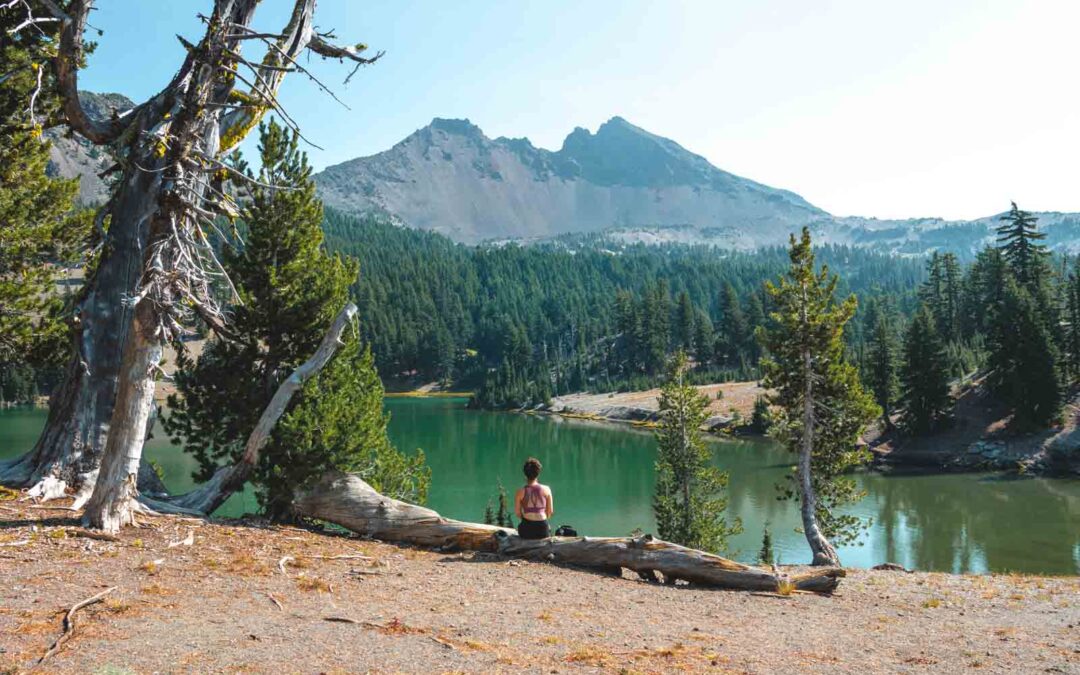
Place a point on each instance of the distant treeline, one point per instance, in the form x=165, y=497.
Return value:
x=520, y=324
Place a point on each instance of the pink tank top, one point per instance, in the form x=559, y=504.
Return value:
x=534, y=500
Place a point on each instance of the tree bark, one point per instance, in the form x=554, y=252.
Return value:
x=113, y=503
x=346, y=500
x=824, y=553
x=68, y=451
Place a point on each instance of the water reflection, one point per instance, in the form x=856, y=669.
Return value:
x=603, y=481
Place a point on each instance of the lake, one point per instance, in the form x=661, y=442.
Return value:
x=602, y=478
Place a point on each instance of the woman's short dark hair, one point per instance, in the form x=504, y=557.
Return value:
x=532, y=468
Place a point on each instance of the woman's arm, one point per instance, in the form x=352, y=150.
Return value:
x=550, y=503
x=517, y=503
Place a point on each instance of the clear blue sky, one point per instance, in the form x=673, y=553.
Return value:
x=864, y=107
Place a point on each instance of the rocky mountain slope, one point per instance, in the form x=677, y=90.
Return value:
x=451, y=178
x=73, y=156
x=623, y=181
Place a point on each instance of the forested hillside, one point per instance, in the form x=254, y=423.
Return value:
x=523, y=323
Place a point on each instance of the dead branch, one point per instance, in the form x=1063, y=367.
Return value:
x=67, y=62
x=227, y=480
x=69, y=623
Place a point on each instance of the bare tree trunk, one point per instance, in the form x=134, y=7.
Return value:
x=348, y=501
x=824, y=553
x=69, y=450
x=113, y=503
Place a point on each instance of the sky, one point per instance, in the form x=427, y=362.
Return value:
x=947, y=108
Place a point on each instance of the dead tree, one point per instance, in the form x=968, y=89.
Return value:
x=156, y=260
x=346, y=500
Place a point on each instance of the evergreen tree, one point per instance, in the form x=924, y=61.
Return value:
x=685, y=316
x=766, y=556
x=39, y=229
x=761, y=418
x=820, y=408
x=290, y=289
x=1072, y=332
x=883, y=366
x=689, y=501
x=735, y=332
x=703, y=338
x=1018, y=239
x=1023, y=359
x=926, y=384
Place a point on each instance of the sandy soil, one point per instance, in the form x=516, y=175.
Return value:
x=737, y=397
x=204, y=597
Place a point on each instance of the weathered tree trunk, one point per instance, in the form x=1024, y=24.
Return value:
x=348, y=501
x=68, y=452
x=112, y=504
x=167, y=147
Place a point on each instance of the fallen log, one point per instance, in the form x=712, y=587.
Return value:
x=348, y=501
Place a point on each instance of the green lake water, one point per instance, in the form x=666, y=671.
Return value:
x=602, y=479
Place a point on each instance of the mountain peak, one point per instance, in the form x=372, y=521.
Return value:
x=450, y=177
x=459, y=127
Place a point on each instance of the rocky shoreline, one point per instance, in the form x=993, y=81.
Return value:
x=976, y=441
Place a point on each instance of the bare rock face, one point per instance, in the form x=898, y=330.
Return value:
x=632, y=185
x=451, y=178
x=72, y=156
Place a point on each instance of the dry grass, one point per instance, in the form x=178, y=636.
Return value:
x=306, y=583
x=244, y=564
x=589, y=655
x=157, y=589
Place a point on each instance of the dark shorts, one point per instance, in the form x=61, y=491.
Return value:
x=534, y=529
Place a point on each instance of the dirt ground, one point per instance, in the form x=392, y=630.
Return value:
x=737, y=397
x=978, y=437
x=192, y=596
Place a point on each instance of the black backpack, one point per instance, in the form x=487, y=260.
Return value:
x=566, y=531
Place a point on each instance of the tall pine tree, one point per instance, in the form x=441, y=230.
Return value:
x=1023, y=360
x=926, y=385
x=689, y=502
x=884, y=365
x=290, y=290
x=820, y=407
x=39, y=228
x=1018, y=238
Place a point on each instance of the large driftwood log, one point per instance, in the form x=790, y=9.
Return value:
x=206, y=498
x=348, y=501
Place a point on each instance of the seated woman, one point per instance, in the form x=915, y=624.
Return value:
x=533, y=504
